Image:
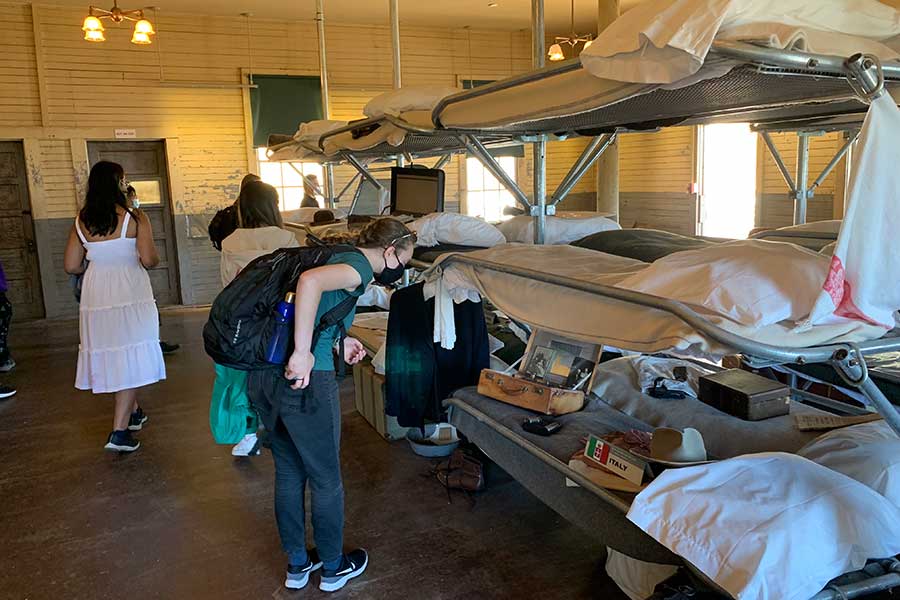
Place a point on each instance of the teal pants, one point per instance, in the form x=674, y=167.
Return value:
x=230, y=415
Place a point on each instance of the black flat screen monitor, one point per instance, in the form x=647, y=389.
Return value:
x=416, y=191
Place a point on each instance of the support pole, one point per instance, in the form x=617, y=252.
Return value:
x=395, y=41
x=347, y=187
x=608, y=166
x=834, y=161
x=443, y=161
x=363, y=171
x=801, y=193
x=776, y=156
x=539, y=152
x=593, y=151
x=326, y=98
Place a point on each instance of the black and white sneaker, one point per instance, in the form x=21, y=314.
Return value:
x=7, y=391
x=137, y=420
x=352, y=565
x=122, y=441
x=298, y=576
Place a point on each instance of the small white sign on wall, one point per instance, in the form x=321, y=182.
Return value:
x=126, y=134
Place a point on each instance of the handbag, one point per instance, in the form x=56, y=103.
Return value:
x=461, y=472
x=230, y=414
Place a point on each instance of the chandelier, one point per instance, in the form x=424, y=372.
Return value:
x=93, y=26
x=573, y=39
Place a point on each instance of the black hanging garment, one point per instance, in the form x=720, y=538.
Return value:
x=419, y=374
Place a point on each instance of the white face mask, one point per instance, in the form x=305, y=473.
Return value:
x=136, y=203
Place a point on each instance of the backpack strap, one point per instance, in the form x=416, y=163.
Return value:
x=333, y=317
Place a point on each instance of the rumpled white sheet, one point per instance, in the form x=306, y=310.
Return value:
x=768, y=526
x=862, y=282
x=563, y=228
x=452, y=228
x=666, y=41
x=592, y=318
x=307, y=141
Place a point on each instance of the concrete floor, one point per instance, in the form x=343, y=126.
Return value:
x=181, y=518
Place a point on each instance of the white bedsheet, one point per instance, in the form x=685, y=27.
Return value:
x=592, y=318
x=413, y=97
x=666, y=41
x=564, y=228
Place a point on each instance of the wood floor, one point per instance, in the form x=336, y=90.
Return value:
x=181, y=518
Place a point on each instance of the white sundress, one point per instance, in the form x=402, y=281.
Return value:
x=119, y=323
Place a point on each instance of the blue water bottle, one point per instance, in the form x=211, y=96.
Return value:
x=282, y=332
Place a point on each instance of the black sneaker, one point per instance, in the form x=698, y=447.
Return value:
x=298, y=575
x=122, y=441
x=352, y=565
x=168, y=348
x=137, y=420
x=7, y=391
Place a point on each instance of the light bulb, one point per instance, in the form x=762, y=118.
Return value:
x=140, y=38
x=587, y=44
x=556, y=52
x=94, y=35
x=144, y=26
x=92, y=23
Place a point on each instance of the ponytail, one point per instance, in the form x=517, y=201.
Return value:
x=379, y=233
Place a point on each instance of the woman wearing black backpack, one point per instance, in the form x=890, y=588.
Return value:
x=303, y=406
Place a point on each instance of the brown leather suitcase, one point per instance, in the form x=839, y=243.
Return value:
x=528, y=394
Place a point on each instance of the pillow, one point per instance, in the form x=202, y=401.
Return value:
x=452, y=228
x=752, y=282
x=311, y=131
x=769, y=525
x=407, y=98
x=557, y=230
x=868, y=453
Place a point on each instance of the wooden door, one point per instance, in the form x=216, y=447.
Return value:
x=145, y=169
x=18, y=251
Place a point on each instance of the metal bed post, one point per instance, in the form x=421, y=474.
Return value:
x=475, y=147
x=801, y=193
x=442, y=161
x=347, y=187
x=539, y=149
x=326, y=97
x=592, y=152
x=356, y=196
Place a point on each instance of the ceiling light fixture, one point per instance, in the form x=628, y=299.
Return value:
x=93, y=26
x=492, y=5
x=556, y=52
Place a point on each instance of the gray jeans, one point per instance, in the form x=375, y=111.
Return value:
x=305, y=443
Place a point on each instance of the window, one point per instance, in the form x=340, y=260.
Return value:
x=485, y=196
x=287, y=177
x=728, y=201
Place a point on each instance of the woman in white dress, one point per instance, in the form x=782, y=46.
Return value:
x=119, y=324
x=261, y=232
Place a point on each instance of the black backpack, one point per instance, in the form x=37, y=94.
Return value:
x=241, y=320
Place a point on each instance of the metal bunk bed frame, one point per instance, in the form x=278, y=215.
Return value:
x=848, y=360
x=864, y=74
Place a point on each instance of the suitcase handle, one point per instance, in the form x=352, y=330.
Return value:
x=510, y=392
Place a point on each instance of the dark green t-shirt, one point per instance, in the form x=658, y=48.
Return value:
x=323, y=350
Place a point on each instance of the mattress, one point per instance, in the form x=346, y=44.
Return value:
x=646, y=245
x=590, y=317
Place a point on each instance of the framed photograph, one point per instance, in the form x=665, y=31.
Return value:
x=559, y=361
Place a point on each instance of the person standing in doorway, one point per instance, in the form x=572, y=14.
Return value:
x=119, y=324
x=135, y=203
x=7, y=364
x=301, y=410
x=310, y=191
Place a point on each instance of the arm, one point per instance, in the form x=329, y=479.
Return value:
x=74, y=255
x=310, y=287
x=145, y=246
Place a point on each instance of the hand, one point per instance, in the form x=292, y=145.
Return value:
x=353, y=351
x=298, y=368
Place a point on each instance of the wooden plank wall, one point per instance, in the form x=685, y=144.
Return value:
x=655, y=174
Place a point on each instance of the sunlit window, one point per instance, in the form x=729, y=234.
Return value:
x=287, y=177
x=485, y=196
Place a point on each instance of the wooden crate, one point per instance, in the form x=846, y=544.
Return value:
x=369, y=401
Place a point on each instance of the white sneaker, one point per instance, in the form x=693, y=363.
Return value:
x=249, y=446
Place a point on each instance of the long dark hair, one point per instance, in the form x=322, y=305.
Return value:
x=258, y=206
x=104, y=194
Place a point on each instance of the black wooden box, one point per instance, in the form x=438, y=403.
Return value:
x=745, y=395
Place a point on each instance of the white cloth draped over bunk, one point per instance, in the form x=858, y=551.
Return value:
x=666, y=41
x=862, y=282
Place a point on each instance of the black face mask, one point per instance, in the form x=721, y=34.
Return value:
x=389, y=275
